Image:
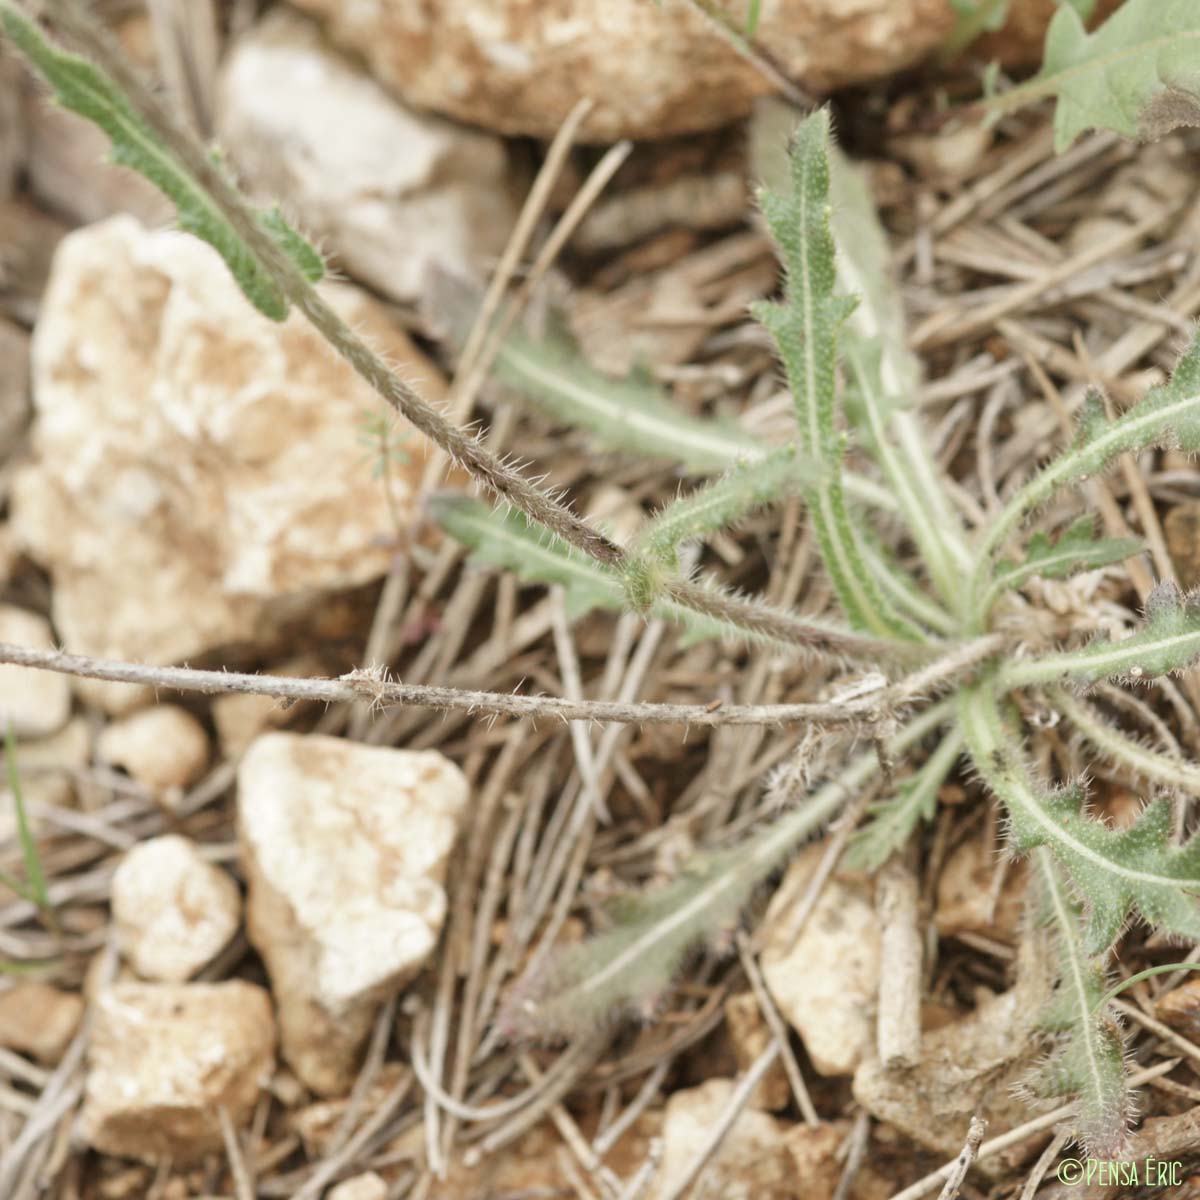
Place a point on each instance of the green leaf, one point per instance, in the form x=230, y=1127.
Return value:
x=1117, y=747
x=83, y=88
x=893, y=821
x=629, y=967
x=1168, y=416
x=1088, y=1060
x=35, y=889
x=1168, y=641
x=887, y=376
x=751, y=485
x=510, y=541
x=1137, y=75
x=1114, y=870
x=805, y=328
x=1077, y=549
x=627, y=414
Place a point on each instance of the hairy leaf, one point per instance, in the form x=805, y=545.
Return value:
x=1169, y=416
x=1088, y=1059
x=1118, y=747
x=628, y=414
x=749, y=486
x=83, y=88
x=893, y=821
x=1115, y=870
x=805, y=327
x=628, y=968
x=510, y=541
x=1168, y=641
x=1138, y=74
x=1077, y=549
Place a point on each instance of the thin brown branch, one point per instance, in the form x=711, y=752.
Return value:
x=375, y=689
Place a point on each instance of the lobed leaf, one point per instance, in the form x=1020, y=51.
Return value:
x=1076, y=549
x=1168, y=416
x=893, y=821
x=1088, y=1060
x=805, y=328
x=1115, y=870
x=1168, y=642
x=1138, y=74
x=83, y=88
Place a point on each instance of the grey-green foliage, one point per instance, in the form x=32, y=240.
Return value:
x=1138, y=74
x=1138, y=872
x=84, y=89
x=1087, y=1055
x=946, y=600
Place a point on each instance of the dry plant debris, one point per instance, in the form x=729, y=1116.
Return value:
x=1027, y=277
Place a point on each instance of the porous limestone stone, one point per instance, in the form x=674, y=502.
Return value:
x=826, y=981
x=36, y=703
x=391, y=192
x=653, y=70
x=368, y=1186
x=174, y=911
x=185, y=443
x=163, y=747
x=38, y=1019
x=164, y=1059
x=344, y=848
x=752, y=1162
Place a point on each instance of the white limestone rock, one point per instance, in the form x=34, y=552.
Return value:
x=390, y=191
x=164, y=747
x=37, y=703
x=826, y=982
x=163, y=1059
x=344, y=848
x=368, y=1186
x=752, y=1162
x=174, y=910
x=185, y=443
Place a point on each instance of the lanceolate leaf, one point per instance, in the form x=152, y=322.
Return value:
x=1088, y=1060
x=1118, y=747
x=805, y=328
x=1168, y=416
x=893, y=821
x=631, y=965
x=1169, y=641
x=1138, y=74
x=86, y=90
x=509, y=541
x=752, y=484
x=630, y=414
x=1077, y=549
x=1116, y=870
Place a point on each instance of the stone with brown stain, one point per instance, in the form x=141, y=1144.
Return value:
x=38, y=1019
x=345, y=849
x=185, y=441
x=163, y=1059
